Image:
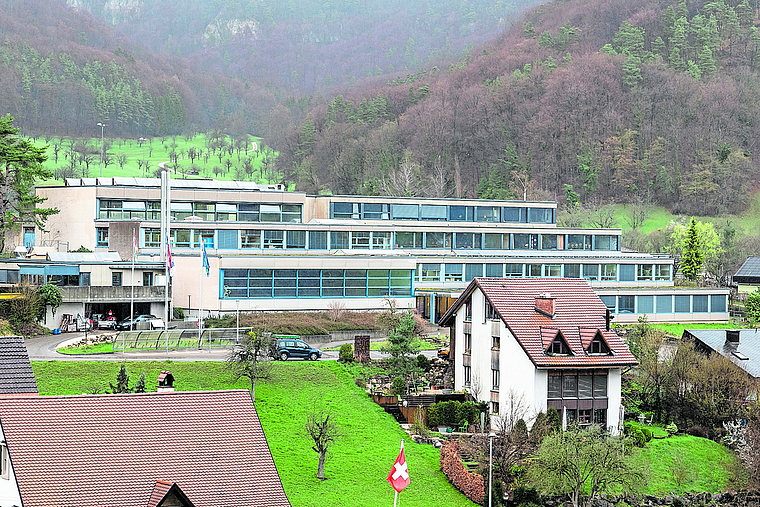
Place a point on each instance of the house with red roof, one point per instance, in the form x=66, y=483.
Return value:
x=546, y=341
x=180, y=449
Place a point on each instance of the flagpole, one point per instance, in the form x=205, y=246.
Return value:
x=132, y=299
x=395, y=497
x=200, y=295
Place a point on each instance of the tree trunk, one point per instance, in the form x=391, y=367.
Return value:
x=321, y=467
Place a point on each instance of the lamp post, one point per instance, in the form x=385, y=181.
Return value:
x=490, y=467
x=237, y=321
x=102, y=127
x=142, y=143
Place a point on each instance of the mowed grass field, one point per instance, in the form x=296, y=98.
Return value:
x=357, y=466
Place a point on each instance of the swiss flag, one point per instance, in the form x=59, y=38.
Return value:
x=399, y=474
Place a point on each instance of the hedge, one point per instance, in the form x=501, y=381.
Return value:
x=470, y=484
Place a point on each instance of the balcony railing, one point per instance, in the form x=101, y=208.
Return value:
x=113, y=294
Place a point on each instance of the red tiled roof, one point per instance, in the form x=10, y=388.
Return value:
x=159, y=492
x=579, y=313
x=109, y=450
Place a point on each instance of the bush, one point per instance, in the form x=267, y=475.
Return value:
x=526, y=495
x=698, y=431
x=423, y=363
x=346, y=353
x=553, y=420
x=648, y=434
x=398, y=387
x=634, y=431
x=178, y=313
x=452, y=413
x=520, y=430
x=672, y=429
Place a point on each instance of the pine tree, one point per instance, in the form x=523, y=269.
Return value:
x=122, y=381
x=692, y=258
x=141, y=386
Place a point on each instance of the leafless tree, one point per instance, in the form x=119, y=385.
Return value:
x=476, y=386
x=515, y=408
x=321, y=427
x=603, y=217
x=440, y=185
x=405, y=181
x=251, y=358
x=638, y=211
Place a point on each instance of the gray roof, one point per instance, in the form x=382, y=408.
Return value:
x=745, y=354
x=175, y=183
x=16, y=374
x=749, y=272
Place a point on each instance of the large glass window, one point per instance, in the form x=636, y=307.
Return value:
x=533, y=270
x=285, y=283
x=579, y=241
x=643, y=272
x=409, y=240
x=664, y=304
x=467, y=240
x=430, y=272
x=274, y=239
x=591, y=272
x=339, y=240
x=154, y=210
x=609, y=302
x=495, y=270
x=308, y=283
x=405, y=211
x=492, y=241
x=433, y=212
x=296, y=239
x=662, y=272
x=699, y=304
x=181, y=238
x=109, y=209
x=514, y=215
x=604, y=242
x=270, y=213
x=260, y=283
x=205, y=235
x=381, y=240
x=718, y=303
x=345, y=210
x=472, y=270
x=627, y=273
x=553, y=270
x=332, y=283
x=248, y=212
x=682, y=304
x=291, y=213
x=318, y=240
x=151, y=238
x=102, y=237
x=549, y=242
x=401, y=282
x=609, y=272
x=437, y=240
x=541, y=215
x=227, y=239
x=487, y=213
x=461, y=213
x=571, y=384
x=514, y=270
x=134, y=210
x=453, y=273
x=525, y=241
x=378, y=283
x=572, y=270
x=626, y=304
x=181, y=210
x=250, y=238
x=226, y=212
x=360, y=239
x=646, y=304
x=356, y=283
x=206, y=211
x=376, y=211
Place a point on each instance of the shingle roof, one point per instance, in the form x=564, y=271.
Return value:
x=749, y=272
x=163, y=489
x=579, y=314
x=16, y=374
x=745, y=354
x=109, y=450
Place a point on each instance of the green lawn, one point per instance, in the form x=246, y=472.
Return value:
x=156, y=150
x=686, y=464
x=678, y=329
x=356, y=469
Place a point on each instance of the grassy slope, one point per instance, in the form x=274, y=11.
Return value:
x=706, y=466
x=356, y=470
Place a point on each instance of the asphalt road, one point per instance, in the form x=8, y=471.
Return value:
x=43, y=348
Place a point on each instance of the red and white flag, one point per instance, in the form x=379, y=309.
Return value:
x=399, y=474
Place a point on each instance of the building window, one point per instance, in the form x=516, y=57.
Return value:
x=487, y=214
x=84, y=279
x=525, y=241
x=495, y=379
x=467, y=375
x=495, y=407
x=699, y=304
x=381, y=240
x=494, y=241
x=437, y=240
x=360, y=240
x=318, y=240
x=205, y=235
x=102, y=237
x=250, y=238
x=5, y=462
x=662, y=272
x=600, y=417
x=579, y=242
x=584, y=417
x=151, y=238
x=116, y=279
x=558, y=347
x=495, y=342
x=339, y=240
x=682, y=304
x=467, y=343
x=296, y=239
x=375, y=211
x=534, y=270
x=248, y=212
x=453, y=273
x=606, y=243
x=147, y=278
x=664, y=304
x=181, y=238
x=626, y=304
x=717, y=303
x=468, y=310
x=514, y=270
x=598, y=346
x=572, y=270
x=591, y=272
x=408, y=240
x=549, y=242
x=491, y=313
x=554, y=270
x=496, y=270
x=643, y=272
x=609, y=272
x=345, y=210
x=430, y=272
x=274, y=239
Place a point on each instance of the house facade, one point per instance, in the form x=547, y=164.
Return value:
x=269, y=249
x=539, y=343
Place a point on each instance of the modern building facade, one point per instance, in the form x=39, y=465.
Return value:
x=270, y=249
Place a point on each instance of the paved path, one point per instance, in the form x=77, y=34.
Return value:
x=43, y=348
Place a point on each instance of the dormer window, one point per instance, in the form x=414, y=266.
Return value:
x=598, y=347
x=558, y=347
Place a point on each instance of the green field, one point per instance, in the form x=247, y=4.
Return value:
x=686, y=464
x=678, y=329
x=157, y=150
x=356, y=469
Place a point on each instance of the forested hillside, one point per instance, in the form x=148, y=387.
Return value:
x=624, y=101
x=303, y=46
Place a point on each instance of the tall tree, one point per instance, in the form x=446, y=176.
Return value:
x=693, y=258
x=250, y=358
x=21, y=168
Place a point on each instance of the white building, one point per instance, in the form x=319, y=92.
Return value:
x=546, y=341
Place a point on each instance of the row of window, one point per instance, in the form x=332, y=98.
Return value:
x=315, y=283
x=9, y=276
x=435, y=272
x=451, y=213
x=112, y=209
x=582, y=384
x=383, y=240
x=667, y=303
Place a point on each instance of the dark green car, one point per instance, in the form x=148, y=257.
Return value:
x=285, y=348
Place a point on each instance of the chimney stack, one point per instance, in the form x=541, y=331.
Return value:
x=165, y=382
x=545, y=305
x=732, y=335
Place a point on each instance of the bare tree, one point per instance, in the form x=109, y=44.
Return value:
x=121, y=159
x=515, y=408
x=638, y=211
x=476, y=386
x=251, y=359
x=321, y=427
x=603, y=217
x=440, y=185
x=405, y=181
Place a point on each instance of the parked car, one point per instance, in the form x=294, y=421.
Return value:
x=125, y=324
x=103, y=321
x=443, y=353
x=285, y=348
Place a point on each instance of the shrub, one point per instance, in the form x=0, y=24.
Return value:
x=553, y=420
x=470, y=484
x=539, y=429
x=672, y=429
x=346, y=353
x=648, y=434
x=634, y=431
x=423, y=362
x=526, y=495
x=698, y=431
x=398, y=387
x=520, y=431
x=179, y=313
x=453, y=413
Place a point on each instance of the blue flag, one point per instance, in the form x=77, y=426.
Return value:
x=204, y=259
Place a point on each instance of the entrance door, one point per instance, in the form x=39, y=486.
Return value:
x=28, y=237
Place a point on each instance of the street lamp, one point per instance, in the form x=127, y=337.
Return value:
x=142, y=142
x=490, y=467
x=102, y=127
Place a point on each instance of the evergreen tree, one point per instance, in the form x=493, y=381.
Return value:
x=122, y=381
x=691, y=262
x=546, y=40
x=658, y=47
x=402, y=349
x=141, y=386
x=21, y=167
x=529, y=32
x=632, y=71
